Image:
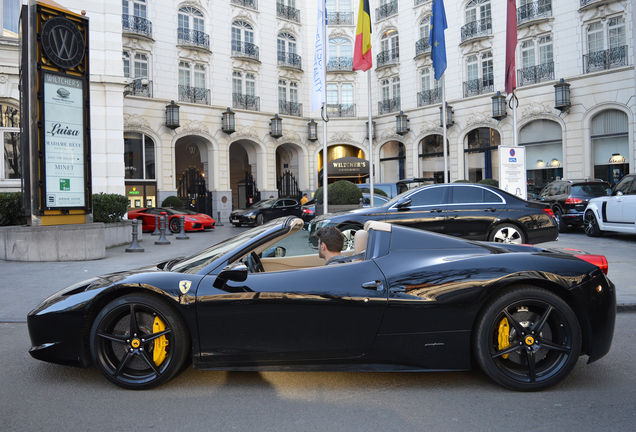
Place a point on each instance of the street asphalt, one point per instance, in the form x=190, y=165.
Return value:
x=24, y=284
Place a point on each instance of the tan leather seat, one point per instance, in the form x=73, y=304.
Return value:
x=360, y=241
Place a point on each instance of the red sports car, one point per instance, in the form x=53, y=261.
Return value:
x=193, y=221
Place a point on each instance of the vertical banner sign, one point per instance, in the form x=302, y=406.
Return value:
x=64, y=141
x=512, y=171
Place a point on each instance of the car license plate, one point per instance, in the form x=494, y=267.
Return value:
x=234, y=220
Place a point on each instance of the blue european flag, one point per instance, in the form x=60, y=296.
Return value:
x=437, y=39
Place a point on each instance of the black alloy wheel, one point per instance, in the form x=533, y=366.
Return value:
x=139, y=342
x=590, y=225
x=527, y=339
x=175, y=224
x=507, y=233
x=563, y=226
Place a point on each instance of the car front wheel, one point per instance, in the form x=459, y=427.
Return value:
x=590, y=224
x=175, y=224
x=138, y=342
x=507, y=233
x=527, y=339
x=260, y=219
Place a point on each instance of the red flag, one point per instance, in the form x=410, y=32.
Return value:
x=362, y=58
x=511, y=46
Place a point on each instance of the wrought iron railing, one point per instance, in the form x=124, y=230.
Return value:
x=341, y=110
x=602, y=60
x=340, y=64
x=388, y=57
x=419, y=2
x=246, y=102
x=244, y=49
x=476, y=29
x=139, y=87
x=340, y=18
x=289, y=59
x=389, y=106
x=535, y=74
x=386, y=10
x=252, y=4
x=534, y=10
x=135, y=24
x=478, y=86
x=429, y=97
x=422, y=46
x=193, y=37
x=194, y=94
x=587, y=2
x=290, y=108
x=288, y=13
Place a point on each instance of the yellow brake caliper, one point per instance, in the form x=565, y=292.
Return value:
x=159, y=352
x=504, y=335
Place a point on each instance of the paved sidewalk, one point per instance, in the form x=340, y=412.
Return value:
x=24, y=284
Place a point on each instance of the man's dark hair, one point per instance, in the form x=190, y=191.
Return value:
x=331, y=237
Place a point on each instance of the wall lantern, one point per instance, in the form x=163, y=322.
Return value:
x=312, y=130
x=617, y=159
x=228, y=122
x=401, y=124
x=449, y=116
x=276, y=126
x=562, y=96
x=554, y=163
x=172, y=115
x=372, y=129
x=499, y=106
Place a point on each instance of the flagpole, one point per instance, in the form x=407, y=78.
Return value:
x=370, y=135
x=444, y=127
x=514, y=107
x=325, y=117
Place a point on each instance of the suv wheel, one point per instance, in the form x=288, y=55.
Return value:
x=563, y=226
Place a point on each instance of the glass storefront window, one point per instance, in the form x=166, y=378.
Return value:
x=392, y=159
x=10, y=143
x=610, y=145
x=139, y=156
x=482, y=155
x=141, y=195
x=544, y=153
x=432, y=158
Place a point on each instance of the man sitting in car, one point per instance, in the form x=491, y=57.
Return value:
x=330, y=243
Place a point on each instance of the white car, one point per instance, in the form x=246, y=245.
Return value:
x=615, y=212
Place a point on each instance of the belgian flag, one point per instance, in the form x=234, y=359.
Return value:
x=362, y=58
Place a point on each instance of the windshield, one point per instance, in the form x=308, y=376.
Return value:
x=264, y=203
x=178, y=211
x=198, y=261
x=595, y=189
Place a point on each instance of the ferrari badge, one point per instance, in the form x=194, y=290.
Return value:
x=184, y=286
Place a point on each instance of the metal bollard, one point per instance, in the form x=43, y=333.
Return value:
x=182, y=235
x=218, y=220
x=167, y=225
x=162, y=239
x=134, y=246
x=156, y=231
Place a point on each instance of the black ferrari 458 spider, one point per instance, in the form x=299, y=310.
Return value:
x=407, y=300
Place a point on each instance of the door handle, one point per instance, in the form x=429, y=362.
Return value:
x=373, y=285
x=491, y=209
x=438, y=210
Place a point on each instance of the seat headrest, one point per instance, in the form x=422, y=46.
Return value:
x=360, y=241
x=378, y=226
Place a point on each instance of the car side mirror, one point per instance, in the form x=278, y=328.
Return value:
x=404, y=204
x=236, y=272
x=619, y=193
x=275, y=252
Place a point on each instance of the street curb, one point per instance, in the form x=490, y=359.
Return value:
x=626, y=307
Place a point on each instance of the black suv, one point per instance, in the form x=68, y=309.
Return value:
x=568, y=199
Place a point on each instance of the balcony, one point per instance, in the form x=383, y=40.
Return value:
x=535, y=74
x=419, y=2
x=196, y=95
x=478, y=87
x=477, y=29
x=136, y=25
x=422, y=47
x=429, y=97
x=290, y=108
x=386, y=58
x=290, y=60
x=288, y=13
x=534, y=11
x=386, y=10
x=594, y=3
x=193, y=38
x=251, y=4
x=604, y=60
x=389, y=106
x=341, y=110
x=244, y=49
x=139, y=87
x=340, y=64
x=246, y=102
x=340, y=18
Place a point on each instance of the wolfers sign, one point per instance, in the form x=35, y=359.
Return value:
x=512, y=171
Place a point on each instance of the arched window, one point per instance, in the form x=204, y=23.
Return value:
x=544, y=153
x=482, y=154
x=392, y=158
x=430, y=88
x=10, y=143
x=340, y=54
x=432, y=157
x=479, y=74
x=340, y=100
x=610, y=145
x=286, y=43
x=191, y=19
x=389, y=48
x=243, y=39
x=478, y=10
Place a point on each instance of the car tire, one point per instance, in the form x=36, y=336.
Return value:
x=349, y=233
x=590, y=225
x=527, y=339
x=238, y=225
x=507, y=233
x=147, y=360
x=260, y=219
x=563, y=226
x=175, y=225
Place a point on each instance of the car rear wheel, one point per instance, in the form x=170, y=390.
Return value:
x=563, y=226
x=527, y=339
x=590, y=224
x=507, y=233
x=175, y=224
x=138, y=342
x=260, y=219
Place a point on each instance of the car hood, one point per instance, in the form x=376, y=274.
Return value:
x=360, y=211
x=243, y=212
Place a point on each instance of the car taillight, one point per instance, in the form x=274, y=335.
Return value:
x=598, y=260
x=574, y=201
x=307, y=211
x=548, y=211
